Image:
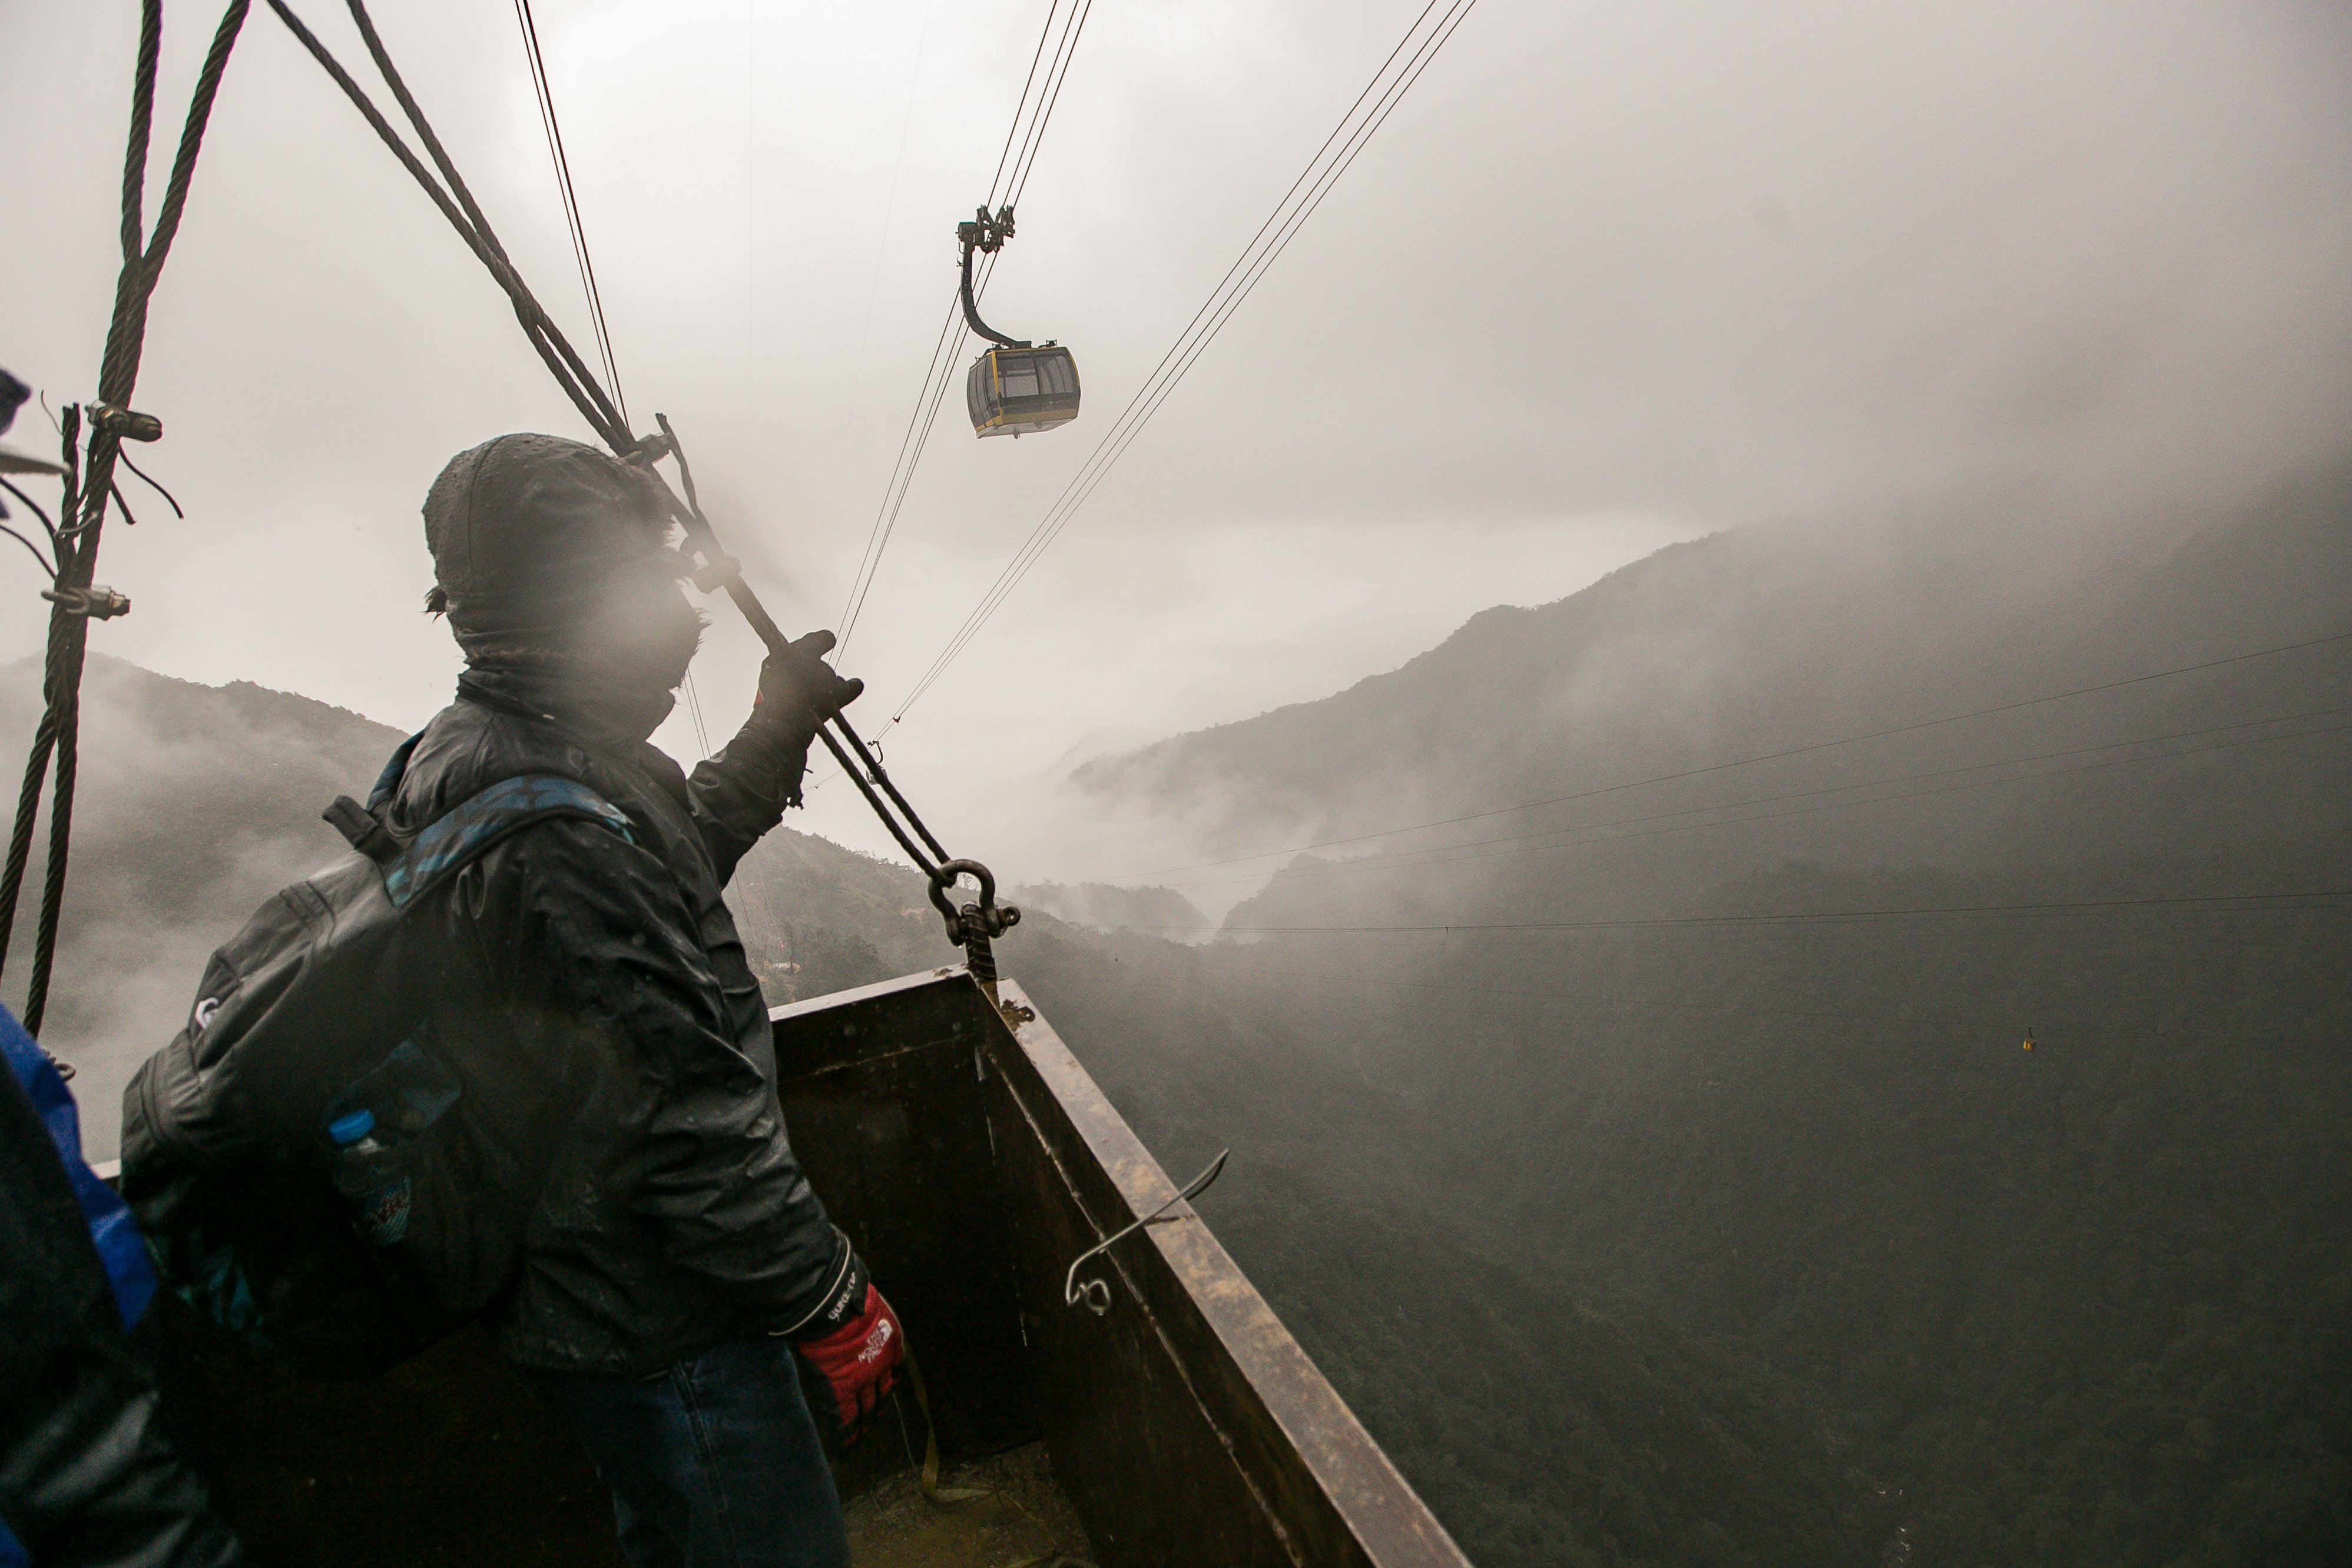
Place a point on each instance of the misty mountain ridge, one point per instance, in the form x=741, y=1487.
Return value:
x=1754, y=640
x=199, y=801
x=1110, y=906
x=2088, y=1302
x=1703, y=1244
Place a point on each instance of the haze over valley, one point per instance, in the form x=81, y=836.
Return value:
x=1713, y=734
x=1630, y=1212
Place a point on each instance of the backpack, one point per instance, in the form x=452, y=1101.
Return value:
x=302, y=1156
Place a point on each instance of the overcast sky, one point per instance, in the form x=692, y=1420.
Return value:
x=1615, y=274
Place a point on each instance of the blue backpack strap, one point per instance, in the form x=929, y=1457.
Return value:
x=394, y=769
x=409, y=866
x=485, y=818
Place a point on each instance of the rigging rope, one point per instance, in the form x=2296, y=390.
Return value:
x=1354, y=131
x=975, y=923
x=545, y=93
x=456, y=204
x=89, y=485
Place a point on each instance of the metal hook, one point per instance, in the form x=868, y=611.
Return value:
x=1096, y=1293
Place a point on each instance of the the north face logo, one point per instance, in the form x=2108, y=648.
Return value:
x=383, y=1213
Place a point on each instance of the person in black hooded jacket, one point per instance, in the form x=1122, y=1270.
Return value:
x=595, y=981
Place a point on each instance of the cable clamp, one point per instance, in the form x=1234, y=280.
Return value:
x=649, y=450
x=122, y=423
x=97, y=601
x=985, y=234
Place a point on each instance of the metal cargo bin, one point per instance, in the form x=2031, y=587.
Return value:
x=972, y=1160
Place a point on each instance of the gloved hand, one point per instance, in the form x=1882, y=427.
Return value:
x=854, y=1344
x=798, y=691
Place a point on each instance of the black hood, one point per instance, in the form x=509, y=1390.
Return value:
x=550, y=560
x=527, y=530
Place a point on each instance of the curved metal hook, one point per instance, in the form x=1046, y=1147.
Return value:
x=972, y=312
x=1096, y=1293
x=986, y=233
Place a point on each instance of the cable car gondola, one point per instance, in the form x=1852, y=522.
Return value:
x=1016, y=388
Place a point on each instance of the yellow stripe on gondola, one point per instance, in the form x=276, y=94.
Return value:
x=1041, y=416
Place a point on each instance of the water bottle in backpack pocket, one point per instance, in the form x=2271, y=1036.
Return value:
x=375, y=1125
x=372, y=1178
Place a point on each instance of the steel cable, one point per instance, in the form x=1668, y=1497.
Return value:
x=456, y=204
x=562, y=362
x=57, y=738
x=1321, y=173
x=939, y=374
x=545, y=92
x=1064, y=53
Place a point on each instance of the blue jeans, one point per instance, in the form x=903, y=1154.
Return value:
x=713, y=1464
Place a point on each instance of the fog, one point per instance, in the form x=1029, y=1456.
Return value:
x=1613, y=275
x=1655, y=1168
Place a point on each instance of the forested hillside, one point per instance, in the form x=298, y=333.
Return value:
x=1663, y=1176
x=1669, y=1045
x=1772, y=640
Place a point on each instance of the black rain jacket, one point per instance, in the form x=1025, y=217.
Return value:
x=595, y=989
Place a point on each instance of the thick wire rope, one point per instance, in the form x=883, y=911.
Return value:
x=1121, y=437
x=57, y=738
x=1064, y=53
x=946, y=353
x=1911, y=727
x=1323, y=171
x=456, y=204
x=545, y=92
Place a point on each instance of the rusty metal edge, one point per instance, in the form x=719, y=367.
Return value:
x=833, y=1001
x=1375, y=1503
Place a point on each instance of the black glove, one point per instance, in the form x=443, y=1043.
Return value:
x=798, y=691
